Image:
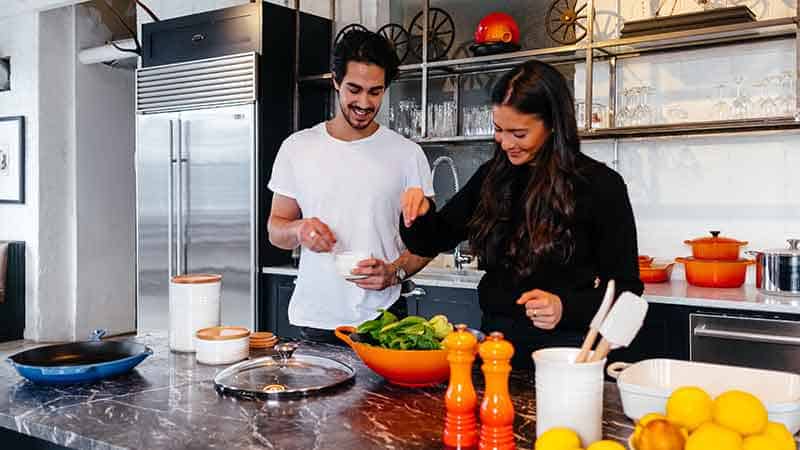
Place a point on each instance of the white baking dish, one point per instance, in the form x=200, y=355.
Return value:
x=645, y=386
x=222, y=345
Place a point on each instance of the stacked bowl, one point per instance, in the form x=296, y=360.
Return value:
x=715, y=262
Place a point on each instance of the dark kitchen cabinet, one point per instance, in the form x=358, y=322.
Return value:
x=459, y=305
x=275, y=317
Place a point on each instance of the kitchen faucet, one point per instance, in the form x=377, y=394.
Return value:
x=458, y=259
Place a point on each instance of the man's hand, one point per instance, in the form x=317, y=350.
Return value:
x=380, y=274
x=315, y=235
x=543, y=308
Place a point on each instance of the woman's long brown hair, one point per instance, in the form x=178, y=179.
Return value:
x=548, y=194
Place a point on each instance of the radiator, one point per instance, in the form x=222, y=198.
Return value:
x=12, y=311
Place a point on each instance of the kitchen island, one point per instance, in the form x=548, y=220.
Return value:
x=169, y=402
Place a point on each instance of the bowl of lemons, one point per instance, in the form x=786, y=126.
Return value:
x=733, y=420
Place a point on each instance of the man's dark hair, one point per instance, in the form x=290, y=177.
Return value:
x=364, y=47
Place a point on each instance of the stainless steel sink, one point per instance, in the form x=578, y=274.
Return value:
x=444, y=276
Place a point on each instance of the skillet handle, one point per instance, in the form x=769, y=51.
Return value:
x=97, y=334
x=65, y=370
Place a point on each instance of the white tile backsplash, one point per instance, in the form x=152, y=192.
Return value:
x=745, y=186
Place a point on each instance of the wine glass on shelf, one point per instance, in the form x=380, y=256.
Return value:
x=786, y=102
x=742, y=106
x=721, y=110
x=766, y=107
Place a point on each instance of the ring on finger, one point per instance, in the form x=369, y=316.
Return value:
x=313, y=234
x=535, y=313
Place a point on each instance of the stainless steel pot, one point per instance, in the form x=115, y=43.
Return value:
x=778, y=270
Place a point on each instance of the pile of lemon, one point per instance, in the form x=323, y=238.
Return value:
x=566, y=439
x=735, y=420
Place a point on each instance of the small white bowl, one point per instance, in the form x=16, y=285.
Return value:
x=222, y=345
x=347, y=261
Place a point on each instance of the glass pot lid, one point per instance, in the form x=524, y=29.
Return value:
x=283, y=374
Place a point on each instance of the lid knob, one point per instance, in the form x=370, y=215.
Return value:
x=714, y=233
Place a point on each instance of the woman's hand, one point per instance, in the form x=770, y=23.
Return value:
x=414, y=204
x=543, y=308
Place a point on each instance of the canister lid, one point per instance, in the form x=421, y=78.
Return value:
x=222, y=333
x=196, y=278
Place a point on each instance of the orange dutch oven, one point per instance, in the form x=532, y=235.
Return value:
x=410, y=368
x=715, y=273
x=716, y=247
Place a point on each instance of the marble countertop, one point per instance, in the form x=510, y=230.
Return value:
x=169, y=402
x=676, y=292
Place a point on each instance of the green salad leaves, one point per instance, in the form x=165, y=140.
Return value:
x=410, y=333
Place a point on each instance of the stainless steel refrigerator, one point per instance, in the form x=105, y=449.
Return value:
x=196, y=191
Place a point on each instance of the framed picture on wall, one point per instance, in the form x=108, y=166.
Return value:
x=12, y=159
x=5, y=74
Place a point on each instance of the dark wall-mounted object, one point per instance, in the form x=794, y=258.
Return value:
x=12, y=309
x=688, y=21
x=5, y=74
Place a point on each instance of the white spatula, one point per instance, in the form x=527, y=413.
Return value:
x=621, y=325
x=594, y=326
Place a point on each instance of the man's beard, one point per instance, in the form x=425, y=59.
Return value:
x=346, y=110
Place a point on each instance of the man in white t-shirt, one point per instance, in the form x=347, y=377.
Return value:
x=336, y=189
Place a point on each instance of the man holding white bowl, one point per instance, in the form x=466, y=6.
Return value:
x=336, y=187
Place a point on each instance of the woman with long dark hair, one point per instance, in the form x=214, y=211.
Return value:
x=549, y=224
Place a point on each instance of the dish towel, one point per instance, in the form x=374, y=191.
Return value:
x=3, y=269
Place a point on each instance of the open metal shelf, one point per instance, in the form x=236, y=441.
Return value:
x=589, y=51
x=674, y=129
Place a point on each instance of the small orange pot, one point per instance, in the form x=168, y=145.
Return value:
x=655, y=273
x=411, y=368
x=715, y=273
x=645, y=261
x=716, y=247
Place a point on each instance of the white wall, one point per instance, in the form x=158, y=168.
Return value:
x=744, y=185
x=19, y=40
x=56, y=296
x=104, y=188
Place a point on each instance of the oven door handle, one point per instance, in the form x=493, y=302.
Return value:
x=703, y=331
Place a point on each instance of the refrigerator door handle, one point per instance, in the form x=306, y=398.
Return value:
x=171, y=201
x=179, y=209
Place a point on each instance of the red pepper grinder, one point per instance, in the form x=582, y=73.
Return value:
x=460, y=425
x=497, y=411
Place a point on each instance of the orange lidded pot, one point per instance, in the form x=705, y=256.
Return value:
x=716, y=247
x=715, y=273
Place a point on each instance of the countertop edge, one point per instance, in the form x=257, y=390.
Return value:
x=749, y=302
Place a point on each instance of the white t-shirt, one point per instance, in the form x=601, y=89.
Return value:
x=355, y=189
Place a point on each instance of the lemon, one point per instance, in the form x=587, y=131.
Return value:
x=759, y=442
x=782, y=437
x=741, y=412
x=689, y=407
x=660, y=434
x=605, y=445
x=713, y=436
x=649, y=417
x=558, y=439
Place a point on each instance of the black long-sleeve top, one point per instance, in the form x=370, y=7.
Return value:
x=605, y=248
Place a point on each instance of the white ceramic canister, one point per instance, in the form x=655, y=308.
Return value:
x=222, y=345
x=568, y=394
x=194, y=303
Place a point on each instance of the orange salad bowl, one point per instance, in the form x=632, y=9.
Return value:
x=410, y=368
